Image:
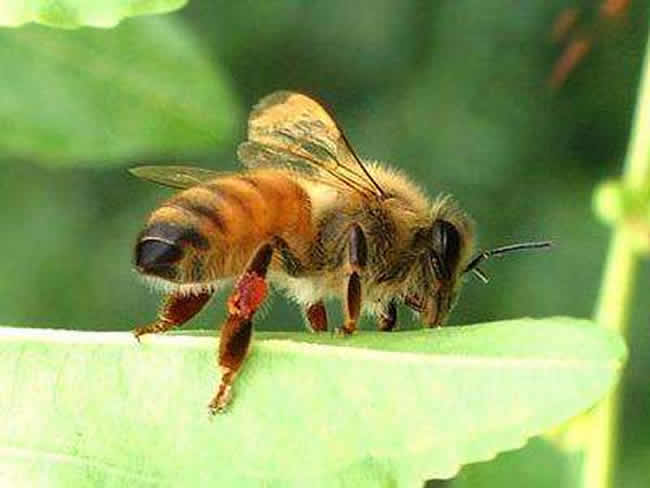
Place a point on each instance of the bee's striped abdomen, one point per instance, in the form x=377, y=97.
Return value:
x=235, y=214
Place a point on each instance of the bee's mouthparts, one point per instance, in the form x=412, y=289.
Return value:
x=433, y=314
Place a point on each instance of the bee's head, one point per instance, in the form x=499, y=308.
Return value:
x=447, y=251
x=162, y=249
x=449, y=258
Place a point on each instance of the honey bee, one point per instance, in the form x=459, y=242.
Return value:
x=311, y=217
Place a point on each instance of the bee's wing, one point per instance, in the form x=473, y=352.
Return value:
x=175, y=176
x=290, y=129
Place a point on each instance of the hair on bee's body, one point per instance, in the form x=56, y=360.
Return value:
x=395, y=229
x=311, y=217
x=227, y=218
x=232, y=215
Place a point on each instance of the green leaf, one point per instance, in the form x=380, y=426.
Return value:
x=76, y=13
x=88, y=409
x=142, y=90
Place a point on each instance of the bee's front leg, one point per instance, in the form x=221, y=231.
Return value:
x=177, y=309
x=247, y=296
x=356, y=262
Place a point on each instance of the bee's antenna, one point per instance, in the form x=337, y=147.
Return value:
x=499, y=251
x=480, y=274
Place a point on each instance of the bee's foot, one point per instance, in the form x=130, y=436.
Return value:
x=345, y=331
x=140, y=331
x=221, y=400
x=161, y=325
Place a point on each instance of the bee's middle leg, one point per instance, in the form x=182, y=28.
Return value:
x=356, y=262
x=245, y=299
x=316, y=315
x=315, y=312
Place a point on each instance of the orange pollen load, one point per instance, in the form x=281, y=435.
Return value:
x=251, y=291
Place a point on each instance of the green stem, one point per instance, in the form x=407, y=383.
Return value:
x=612, y=310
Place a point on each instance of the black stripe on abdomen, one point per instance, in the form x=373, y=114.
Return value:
x=204, y=211
x=227, y=195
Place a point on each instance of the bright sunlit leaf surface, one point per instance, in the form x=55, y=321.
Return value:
x=76, y=13
x=376, y=409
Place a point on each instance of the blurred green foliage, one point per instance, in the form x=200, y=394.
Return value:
x=96, y=96
x=454, y=92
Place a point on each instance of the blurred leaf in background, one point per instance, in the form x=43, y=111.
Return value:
x=92, y=96
x=454, y=92
x=75, y=13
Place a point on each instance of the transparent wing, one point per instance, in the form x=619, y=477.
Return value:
x=175, y=176
x=291, y=130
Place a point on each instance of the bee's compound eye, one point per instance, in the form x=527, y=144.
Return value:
x=151, y=254
x=447, y=243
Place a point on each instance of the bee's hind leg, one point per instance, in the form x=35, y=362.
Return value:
x=245, y=299
x=177, y=309
x=356, y=261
